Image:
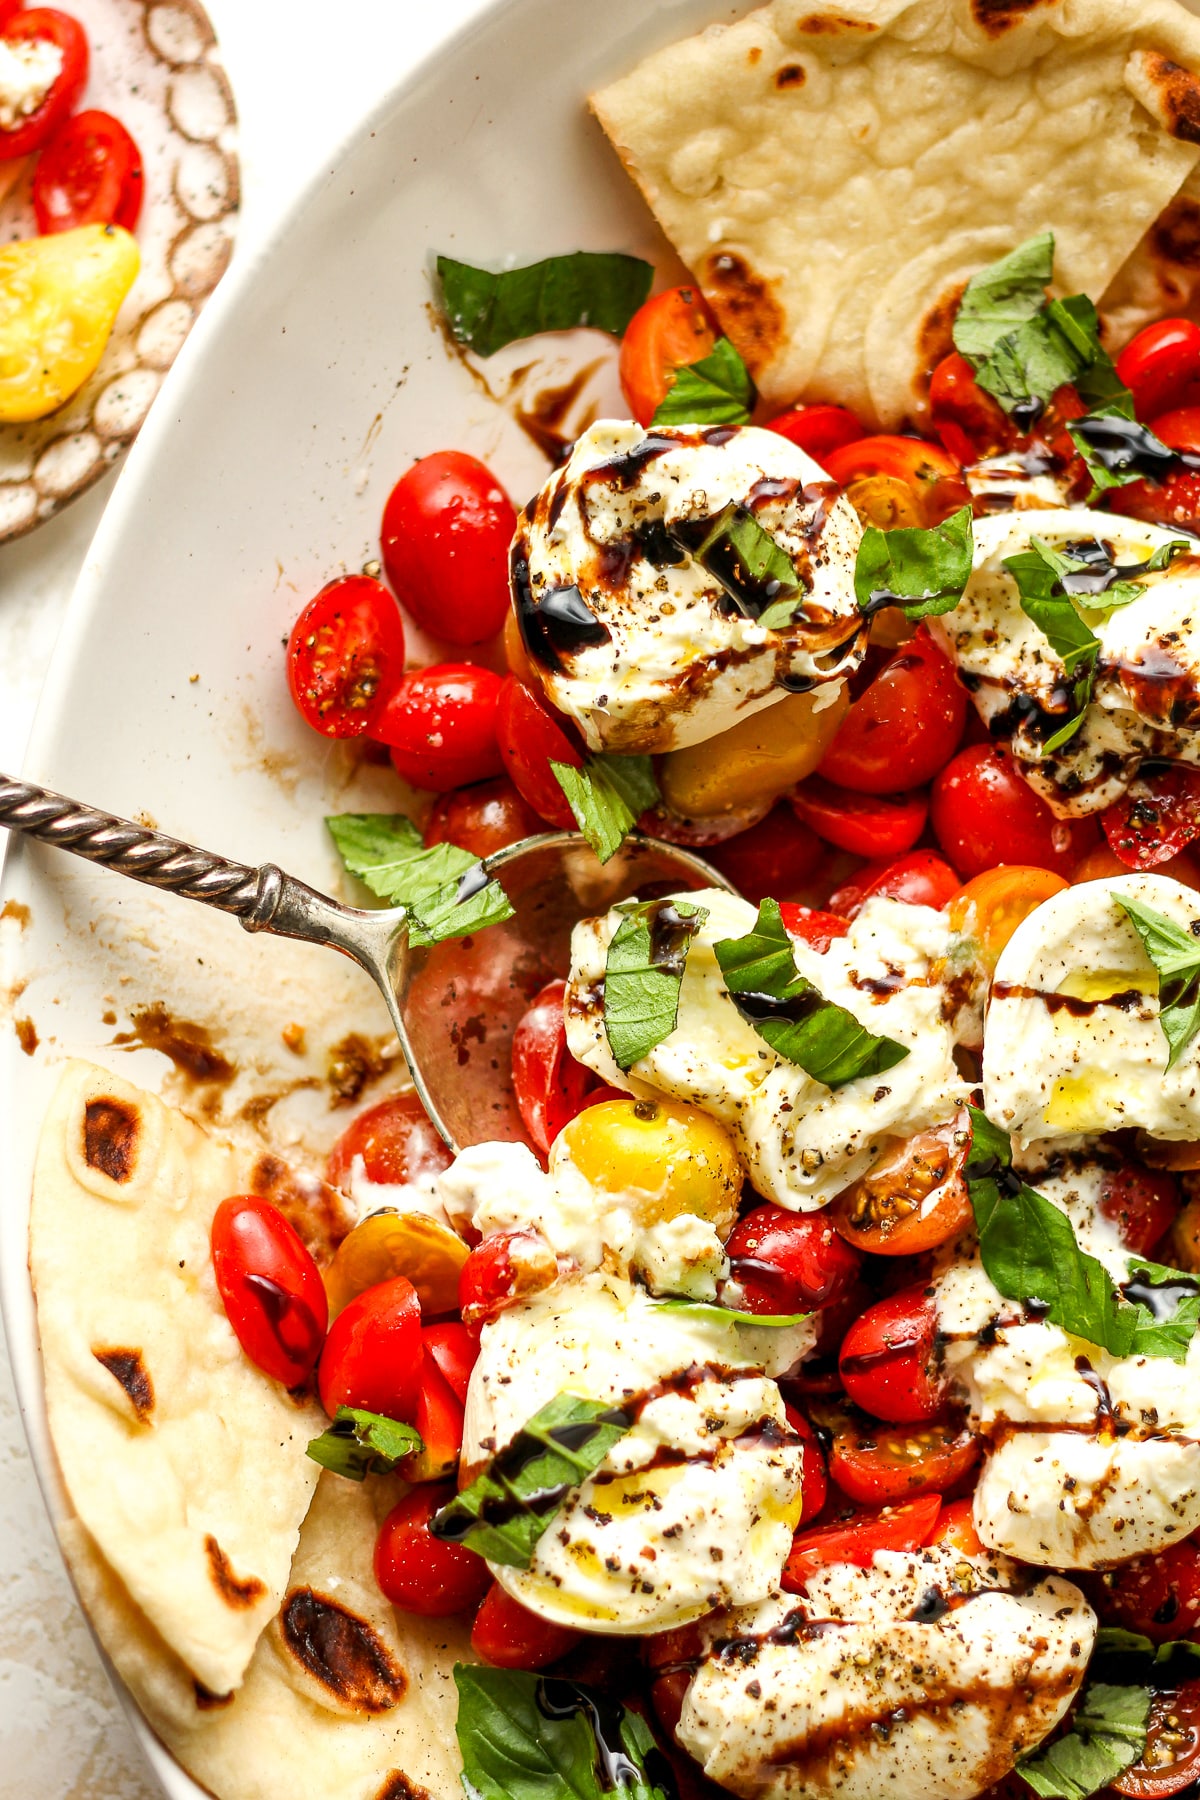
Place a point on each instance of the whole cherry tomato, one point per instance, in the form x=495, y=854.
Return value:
x=418, y=1572
x=991, y=906
x=1101, y=864
x=531, y=737
x=857, y=1540
x=454, y=1350
x=886, y=1361
x=440, y=725
x=904, y=727
x=878, y=1465
x=446, y=530
x=818, y=429
x=814, y=1482
x=345, y=656
x=770, y=859
x=397, y=1141
x=90, y=173
x=913, y=1199
x=1161, y=367
x=786, y=1262
x=509, y=1636
x=813, y=927
x=670, y=331
x=482, y=819
x=970, y=423
x=43, y=23
x=1170, y=1762
x=921, y=879
x=983, y=813
x=548, y=1083
x=1142, y=1204
x=1157, y=1595
x=874, y=825
x=917, y=476
x=270, y=1287
x=508, y=1266
x=373, y=1355
x=1157, y=816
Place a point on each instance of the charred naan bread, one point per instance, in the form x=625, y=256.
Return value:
x=833, y=175
x=184, y=1464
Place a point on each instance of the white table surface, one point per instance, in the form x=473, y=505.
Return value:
x=302, y=74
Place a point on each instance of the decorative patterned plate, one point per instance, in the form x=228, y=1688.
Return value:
x=155, y=66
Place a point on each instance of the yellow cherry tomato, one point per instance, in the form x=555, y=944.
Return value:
x=386, y=1244
x=668, y=1158
x=991, y=906
x=756, y=760
x=1182, y=1242
x=886, y=501
x=59, y=299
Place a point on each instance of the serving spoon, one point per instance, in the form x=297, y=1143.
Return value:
x=455, y=1004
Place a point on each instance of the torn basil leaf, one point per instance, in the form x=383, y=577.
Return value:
x=543, y=1737
x=1004, y=296
x=643, y=974
x=1121, y=592
x=460, y=909
x=1175, y=953
x=486, y=310
x=360, y=1443
x=1117, y=450
x=729, y=1315
x=753, y=567
x=608, y=796
x=446, y=890
x=1039, y=573
x=1108, y=1733
x=922, y=571
x=791, y=1014
x=1114, y=1640
x=717, y=390
x=505, y=1510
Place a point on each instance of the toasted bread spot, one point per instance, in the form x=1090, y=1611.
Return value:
x=110, y=1137
x=342, y=1652
x=209, y=1702
x=1179, y=91
x=998, y=16
x=750, y=315
x=830, y=25
x=235, y=1592
x=399, y=1787
x=935, y=339
x=754, y=54
x=127, y=1367
x=1176, y=236
x=791, y=75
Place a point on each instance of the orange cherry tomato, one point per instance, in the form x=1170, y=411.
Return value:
x=955, y=1529
x=914, y=1198
x=509, y=1636
x=970, y=423
x=857, y=1540
x=670, y=331
x=991, y=906
x=818, y=429
x=878, y=1465
x=1101, y=864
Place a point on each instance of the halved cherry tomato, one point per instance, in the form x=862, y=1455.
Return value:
x=270, y=1287
x=1170, y=1762
x=818, y=429
x=69, y=37
x=439, y=1419
x=955, y=1529
x=815, y=928
x=446, y=530
x=983, y=813
x=772, y=858
x=814, y=1482
x=373, y=1355
x=1175, y=501
x=874, y=825
x=886, y=1360
x=531, y=737
x=440, y=726
x=1101, y=865
x=509, y=1636
x=397, y=1141
x=1161, y=367
x=878, y=1465
x=455, y=1352
x=8, y=10
x=508, y=1266
x=970, y=423
x=670, y=331
x=388, y=1243
x=786, y=1262
x=857, y=1540
x=914, y=1198
x=90, y=173
x=904, y=727
x=482, y=819
x=1155, y=818
x=932, y=478
x=1142, y=1204
x=345, y=656
x=1156, y=1595
x=991, y=906
x=548, y=1083
x=921, y=879
x=418, y=1572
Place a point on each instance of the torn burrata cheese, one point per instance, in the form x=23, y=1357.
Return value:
x=927, y=1674
x=643, y=631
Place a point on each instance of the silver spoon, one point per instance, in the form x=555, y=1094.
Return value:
x=454, y=1005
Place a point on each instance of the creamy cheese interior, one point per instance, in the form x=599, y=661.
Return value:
x=29, y=67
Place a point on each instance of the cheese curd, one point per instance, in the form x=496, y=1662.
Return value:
x=802, y=1141
x=694, y=1508
x=1146, y=697
x=927, y=1674
x=634, y=639
x=29, y=68
x=1073, y=1041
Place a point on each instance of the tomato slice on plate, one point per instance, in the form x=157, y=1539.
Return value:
x=878, y=1465
x=1156, y=818
x=270, y=1287
x=874, y=825
x=90, y=173
x=857, y=1540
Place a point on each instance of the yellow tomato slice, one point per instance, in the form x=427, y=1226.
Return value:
x=59, y=299
x=386, y=1244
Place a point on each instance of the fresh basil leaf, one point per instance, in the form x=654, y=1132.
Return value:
x=541, y=1737
x=387, y=853
x=643, y=973
x=1062, y=344
x=459, y=909
x=753, y=567
x=608, y=796
x=923, y=571
x=1004, y=296
x=1175, y=954
x=1118, y=451
x=1122, y=592
x=360, y=1443
x=1156, y=1335
x=1038, y=573
x=717, y=390
x=505, y=1510
x=487, y=310
x=729, y=1315
x=1108, y=1733
x=1114, y=1640
x=781, y=613
x=791, y=1014
x=991, y=1149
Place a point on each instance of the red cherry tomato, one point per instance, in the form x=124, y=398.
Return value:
x=1156, y=1595
x=373, y=1356
x=970, y=423
x=670, y=331
x=984, y=814
x=418, y=1572
x=819, y=429
x=1155, y=818
x=875, y=825
x=531, y=737
x=1175, y=501
x=921, y=878
x=548, y=1083
x=270, y=1287
x=856, y=1541
x=451, y=1346
x=816, y=928
x=345, y=656
x=933, y=478
x=904, y=727
x=770, y=859
x=956, y=1528
x=446, y=530
x=60, y=29
x=1142, y=1204
x=439, y=1419
x=814, y=1482
x=90, y=173
x=482, y=819
x=786, y=1262
x=508, y=1266
x=1161, y=367
x=878, y=1465
x=1170, y=1761
x=8, y=10
x=886, y=1361
x=509, y=1636
x=397, y=1141
x=440, y=725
